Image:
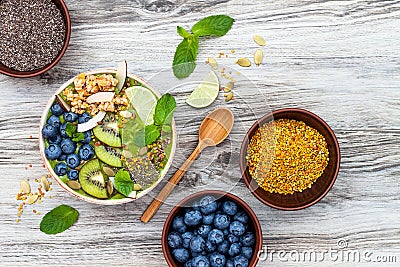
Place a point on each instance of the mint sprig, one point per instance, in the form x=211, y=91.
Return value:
x=123, y=182
x=163, y=114
x=185, y=55
x=58, y=220
x=70, y=129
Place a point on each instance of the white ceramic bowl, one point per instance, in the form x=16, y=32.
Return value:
x=93, y=199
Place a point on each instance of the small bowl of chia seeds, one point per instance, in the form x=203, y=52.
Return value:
x=35, y=35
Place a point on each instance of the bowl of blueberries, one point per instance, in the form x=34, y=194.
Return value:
x=212, y=229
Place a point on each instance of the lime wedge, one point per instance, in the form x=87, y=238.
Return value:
x=205, y=93
x=143, y=101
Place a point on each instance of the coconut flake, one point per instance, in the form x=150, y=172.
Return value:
x=64, y=105
x=100, y=97
x=93, y=122
x=122, y=72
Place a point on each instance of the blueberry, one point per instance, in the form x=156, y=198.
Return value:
x=56, y=109
x=221, y=221
x=241, y=216
x=54, y=120
x=229, y=263
x=248, y=239
x=73, y=161
x=197, y=244
x=208, y=204
x=55, y=140
x=180, y=254
x=247, y=252
x=203, y=230
x=232, y=238
x=174, y=240
x=195, y=254
x=87, y=137
x=224, y=247
x=229, y=208
x=52, y=152
x=86, y=152
x=226, y=232
x=216, y=236
x=208, y=247
x=240, y=261
x=186, y=237
x=85, y=117
x=196, y=205
x=178, y=225
x=192, y=218
x=235, y=249
x=208, y=219
x=49, y=131
x=200, y=261
x=61, y=169
x=217, y=260
x=188, y=264
x=68, y=146
x=62, y=130
x=70, y=116
x=62, y=157
x=73, y=174
x=237, y=228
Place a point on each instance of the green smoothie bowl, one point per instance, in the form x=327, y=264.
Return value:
x=103, y=139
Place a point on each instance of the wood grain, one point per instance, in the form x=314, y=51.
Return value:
x=338, y=59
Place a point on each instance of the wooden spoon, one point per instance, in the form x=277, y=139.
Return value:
x=215, y=127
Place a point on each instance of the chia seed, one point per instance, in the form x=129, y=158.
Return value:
x=32, y=33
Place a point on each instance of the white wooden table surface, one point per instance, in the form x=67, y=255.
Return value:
x=338, y=59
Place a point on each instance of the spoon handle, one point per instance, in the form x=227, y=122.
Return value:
x=158, y=201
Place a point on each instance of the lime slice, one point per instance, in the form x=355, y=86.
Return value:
x=143, y=101
x=205, y=93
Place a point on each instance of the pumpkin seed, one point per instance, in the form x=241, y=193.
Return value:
x=110, y=187
x=25, y=187
x=45, y=183
x=108, y=171
x=259, y=40
x=127, y=154
x=137, y=187
x=142, y=151
x=228, y=87
x=244, y=62
x=229, y=97
x=74, y=184
x=213, y=63
x=32, y=199
x=258, y=56
x=125, y=114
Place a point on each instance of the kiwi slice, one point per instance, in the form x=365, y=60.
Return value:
x=109, y=155
x=93, y=180
x=108, y=131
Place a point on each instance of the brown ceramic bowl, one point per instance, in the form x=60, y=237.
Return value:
x=25, y=74
x=254, y=224
x=320, y=187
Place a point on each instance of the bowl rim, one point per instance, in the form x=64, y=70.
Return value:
x=93, y=199
x=257, y=226
x=261, y=121
x=26, y=74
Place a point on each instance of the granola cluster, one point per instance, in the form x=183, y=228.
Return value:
x=86, y=85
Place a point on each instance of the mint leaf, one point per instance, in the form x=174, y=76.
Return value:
x=123, y=182
x=58, y=220
x=185, y=57
x=217, y=25
x=182, y=32
x=70, y=129
x=147, y=135
x=78, y=137
x=164, y=110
